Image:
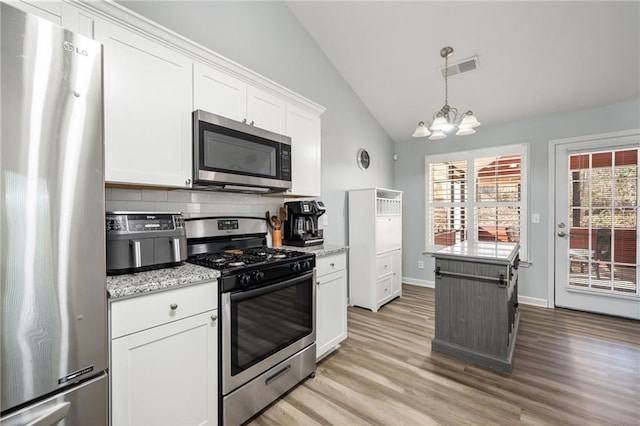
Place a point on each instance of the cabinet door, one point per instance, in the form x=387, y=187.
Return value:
x=304, y=129
x=396, y=268
x=147, y=99
x=331, y=311
x=49, y=10
x=167, y=375
x=219, y=93
x=388, y=233
x=385, y=289
x=265, y=110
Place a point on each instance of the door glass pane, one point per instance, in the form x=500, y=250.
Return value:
x=603, y=193
x=264, y=324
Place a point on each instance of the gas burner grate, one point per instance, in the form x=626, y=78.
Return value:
x=237, y=258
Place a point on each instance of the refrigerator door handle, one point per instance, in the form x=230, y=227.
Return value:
x=52, y=417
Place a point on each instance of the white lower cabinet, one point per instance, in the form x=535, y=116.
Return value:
x=166, y=374
x=331, y=303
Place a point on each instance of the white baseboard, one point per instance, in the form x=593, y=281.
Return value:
x=534, y=301
x=419, y=283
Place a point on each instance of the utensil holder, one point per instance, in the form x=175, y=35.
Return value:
x=276, y=238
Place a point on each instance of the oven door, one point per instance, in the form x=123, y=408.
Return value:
x=264, y=326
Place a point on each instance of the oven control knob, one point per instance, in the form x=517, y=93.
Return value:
x=258, y=276
x=245, y=279
x=296, y=267
x=306, y=265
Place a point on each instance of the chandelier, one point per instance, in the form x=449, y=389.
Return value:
x=446, y=119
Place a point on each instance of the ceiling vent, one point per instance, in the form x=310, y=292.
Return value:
x=461, y=67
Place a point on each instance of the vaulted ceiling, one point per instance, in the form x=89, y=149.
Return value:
x=535, y=58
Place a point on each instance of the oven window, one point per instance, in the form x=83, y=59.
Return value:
x=265, y=324
x=233, y=155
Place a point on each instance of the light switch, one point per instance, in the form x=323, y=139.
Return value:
x=535, y=217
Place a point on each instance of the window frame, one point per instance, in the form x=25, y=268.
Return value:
x=471, y=203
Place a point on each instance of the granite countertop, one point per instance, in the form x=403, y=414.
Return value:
x=138, y=283
x=319, y=250
x=481, y=250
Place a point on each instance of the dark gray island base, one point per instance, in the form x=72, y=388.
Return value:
x=476, y=304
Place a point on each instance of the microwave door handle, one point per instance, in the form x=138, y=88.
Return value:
x=137, y=254
x=249, y=294
x=175, y=244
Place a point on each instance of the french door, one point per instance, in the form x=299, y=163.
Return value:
x=596, y=226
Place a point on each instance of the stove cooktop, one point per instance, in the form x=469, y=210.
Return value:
x=237, y=258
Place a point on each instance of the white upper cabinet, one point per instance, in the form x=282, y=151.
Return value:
x=147, y=95
x=154, y=80
x=265, y=110
x=220, y=93
x=49, y=10
x=304, y=129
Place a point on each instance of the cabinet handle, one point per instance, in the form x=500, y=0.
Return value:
x=332, y=265
x=214, y=317
x=187, y=182
x=244, y=120
x=173, y=306
x=252, y=122
x=317, y=282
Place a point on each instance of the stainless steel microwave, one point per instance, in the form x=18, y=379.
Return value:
x=237, y=157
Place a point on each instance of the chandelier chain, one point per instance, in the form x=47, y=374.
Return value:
x=446, y=80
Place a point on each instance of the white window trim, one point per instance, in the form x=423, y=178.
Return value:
x=469, y=156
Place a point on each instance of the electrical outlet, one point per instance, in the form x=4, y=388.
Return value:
x=535, y=217
x=325, y=220
x=420, y=264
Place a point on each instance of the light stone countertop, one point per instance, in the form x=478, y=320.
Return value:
x=139, y=283
x=319, y=250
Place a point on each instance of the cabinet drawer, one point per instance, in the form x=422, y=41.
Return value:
x=332, y=263
x=385, y=289
x=140, y=313
x=383, y=265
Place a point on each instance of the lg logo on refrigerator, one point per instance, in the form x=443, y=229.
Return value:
x=69, y=47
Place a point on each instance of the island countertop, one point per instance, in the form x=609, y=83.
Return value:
x=486, y=251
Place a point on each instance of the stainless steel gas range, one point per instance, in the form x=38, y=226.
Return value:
x=268, y=319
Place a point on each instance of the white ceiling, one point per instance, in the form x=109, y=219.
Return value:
x=535, y=58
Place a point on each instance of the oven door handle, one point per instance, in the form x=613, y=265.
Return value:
x=249, y=294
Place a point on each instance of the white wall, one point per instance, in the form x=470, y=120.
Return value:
x=409, y=177
x=267, y=38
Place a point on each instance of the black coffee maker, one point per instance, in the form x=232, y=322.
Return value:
x=301, y=226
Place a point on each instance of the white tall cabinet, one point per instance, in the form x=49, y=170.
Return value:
x=375, y=247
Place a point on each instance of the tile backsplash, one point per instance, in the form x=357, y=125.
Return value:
x=190, y=203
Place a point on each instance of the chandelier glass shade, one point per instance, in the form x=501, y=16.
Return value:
x=446, y=120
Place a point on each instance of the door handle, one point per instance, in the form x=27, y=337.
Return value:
x=52, y=417
x=175, y=244
x=137, y=254
x=562, y=234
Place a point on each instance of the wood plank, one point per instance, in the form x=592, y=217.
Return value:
x=569, y=368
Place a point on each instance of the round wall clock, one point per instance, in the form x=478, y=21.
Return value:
x=363, y=159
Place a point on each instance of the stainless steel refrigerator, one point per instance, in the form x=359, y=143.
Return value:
x=53, y=347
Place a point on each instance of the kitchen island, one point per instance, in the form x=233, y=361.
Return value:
x=476, y=303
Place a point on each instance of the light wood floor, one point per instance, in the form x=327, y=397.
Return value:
x=569, y=368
